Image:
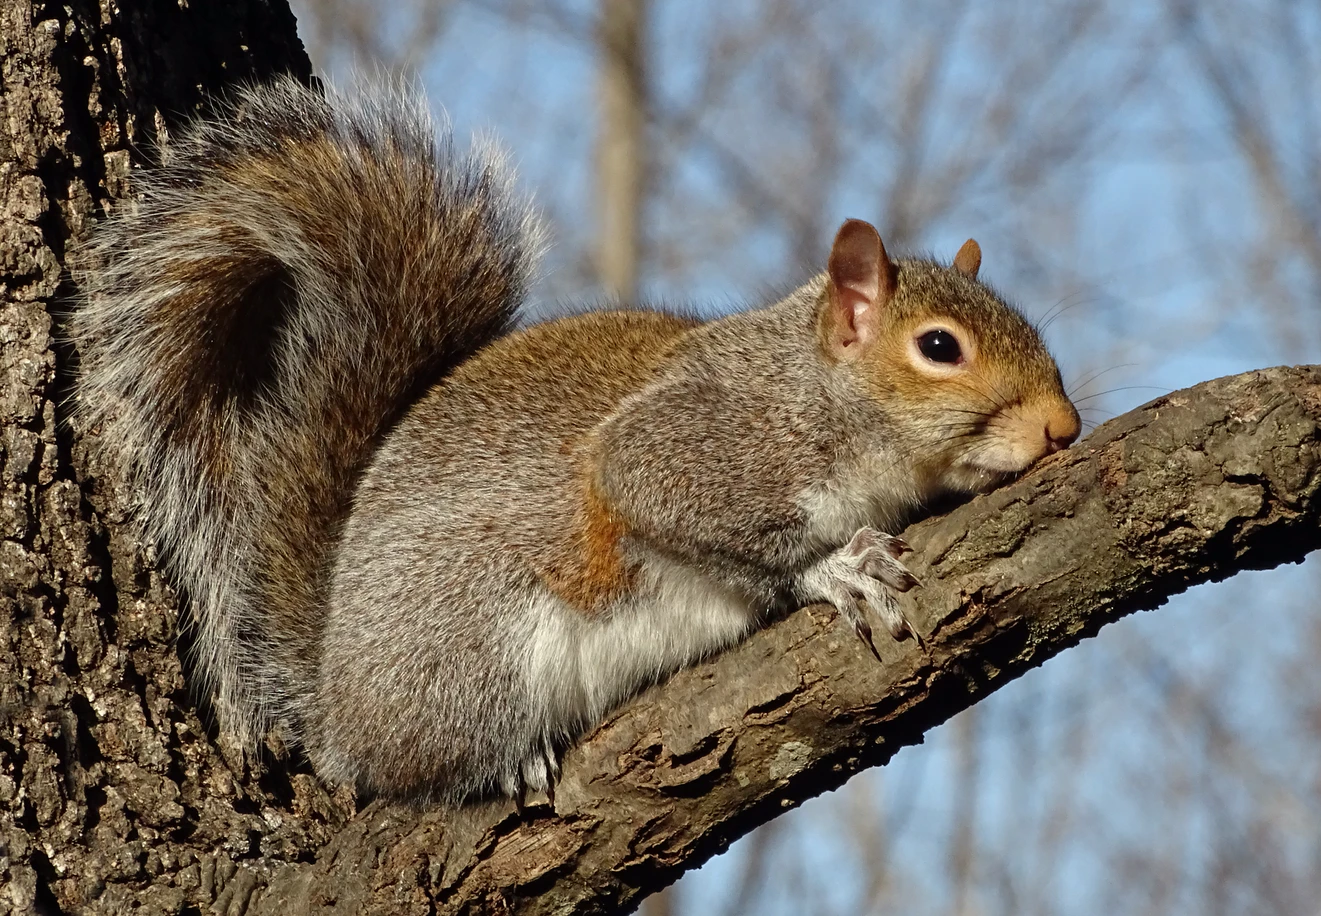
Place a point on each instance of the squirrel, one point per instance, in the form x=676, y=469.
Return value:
x=431, y=546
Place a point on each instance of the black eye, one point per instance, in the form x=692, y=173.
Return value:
x=940, y=346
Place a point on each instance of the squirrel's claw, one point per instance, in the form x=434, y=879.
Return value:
x=863, y=629
x=539, y=772
x=867, y=568
x=552, y=770
x=878, y=556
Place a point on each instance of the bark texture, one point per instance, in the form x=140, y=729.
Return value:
x=107, y=776
x=114, y=798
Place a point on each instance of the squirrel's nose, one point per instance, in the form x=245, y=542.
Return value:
x=1062, y=429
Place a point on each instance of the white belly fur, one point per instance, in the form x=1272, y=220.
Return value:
x=582, y=666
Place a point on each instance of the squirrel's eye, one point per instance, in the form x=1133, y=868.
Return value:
x=940, y=346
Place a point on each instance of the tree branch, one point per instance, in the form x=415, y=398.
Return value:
x=1193, y=487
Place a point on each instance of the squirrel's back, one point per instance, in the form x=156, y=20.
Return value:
x=290, y=280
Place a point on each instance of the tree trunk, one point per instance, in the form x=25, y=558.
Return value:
x=112, y=795
x=115, y=797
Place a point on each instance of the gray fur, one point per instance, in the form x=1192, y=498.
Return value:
x=435, y=552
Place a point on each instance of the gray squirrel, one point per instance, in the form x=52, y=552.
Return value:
x=433, y=549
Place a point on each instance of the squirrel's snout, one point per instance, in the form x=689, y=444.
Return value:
x=1062, y=430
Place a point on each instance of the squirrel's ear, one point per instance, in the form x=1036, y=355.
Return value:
x=969, y=259
x=862, y=281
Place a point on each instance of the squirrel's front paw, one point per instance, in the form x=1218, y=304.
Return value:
x=866, y=568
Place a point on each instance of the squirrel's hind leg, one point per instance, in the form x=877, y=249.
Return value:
x=866, y=568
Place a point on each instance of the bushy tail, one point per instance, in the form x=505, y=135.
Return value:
x=291, y=279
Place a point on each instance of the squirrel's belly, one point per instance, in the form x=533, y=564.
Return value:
x=582, y=667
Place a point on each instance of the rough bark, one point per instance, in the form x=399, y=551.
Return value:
x=107, y=778
x=115, y=798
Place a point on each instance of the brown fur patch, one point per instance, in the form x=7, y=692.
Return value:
x=593, y=572
x=555, y=383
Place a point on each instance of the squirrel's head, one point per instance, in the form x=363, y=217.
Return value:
x=959, y=375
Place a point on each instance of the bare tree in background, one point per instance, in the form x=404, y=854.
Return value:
x=347, y=35
x=1259, y=66
x=621, y=144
